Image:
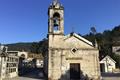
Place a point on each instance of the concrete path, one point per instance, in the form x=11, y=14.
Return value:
x=33, y=74
x=23, y=78
x=110, y=76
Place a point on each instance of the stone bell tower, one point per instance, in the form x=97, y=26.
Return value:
x=55, y=39
x=56, y=18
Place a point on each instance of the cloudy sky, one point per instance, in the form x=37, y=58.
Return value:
x=26, y=20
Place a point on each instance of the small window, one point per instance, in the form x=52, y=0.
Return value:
x=74, y=50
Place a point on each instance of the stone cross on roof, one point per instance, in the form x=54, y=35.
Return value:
x=55, y=1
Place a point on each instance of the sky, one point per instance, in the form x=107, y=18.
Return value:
x=27, y=20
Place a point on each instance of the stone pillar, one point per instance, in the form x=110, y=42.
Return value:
x=3, y=67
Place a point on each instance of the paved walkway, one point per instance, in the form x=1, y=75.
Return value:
x=23, y=78
x=37, y=74
x=111, y=76
x=33, y=74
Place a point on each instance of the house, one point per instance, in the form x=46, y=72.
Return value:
x=69, y=57
x=12, y=64
x=28, y=59
x=107, y=64
x=116, y=49
x=23, y=54
x=116, y=46
x=39, y=63
x=8, y=64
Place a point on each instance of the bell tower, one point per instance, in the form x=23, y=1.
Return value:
x=55, y=39
x=56, y=18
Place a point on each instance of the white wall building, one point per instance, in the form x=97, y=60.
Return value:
x=24, y=54
x=8, y=64
x=107, y=64
x=39, y=63
x=116, y=49
x=12, y=64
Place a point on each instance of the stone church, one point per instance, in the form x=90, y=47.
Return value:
x=69, y=57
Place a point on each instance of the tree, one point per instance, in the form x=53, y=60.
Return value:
x=93, y=30
x=40, y=47
x=106, y=40
x=117, y=59
x=35, y=47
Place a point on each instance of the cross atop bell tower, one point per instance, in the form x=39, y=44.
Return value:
x=55, y=1
x=56, y=18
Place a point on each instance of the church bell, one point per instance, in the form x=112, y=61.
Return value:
x=56, y=21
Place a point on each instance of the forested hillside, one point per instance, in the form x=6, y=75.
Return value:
x=105, y=41
x=19, y=46
x=35, y=47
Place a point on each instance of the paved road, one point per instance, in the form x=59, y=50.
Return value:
x=33, y=74
x=111, y=76
x=37, y=74
x=25, y=78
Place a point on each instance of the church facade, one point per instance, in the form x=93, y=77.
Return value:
x=69, y=57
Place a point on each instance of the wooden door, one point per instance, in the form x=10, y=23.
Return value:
x=102, y=67
x=74, y=71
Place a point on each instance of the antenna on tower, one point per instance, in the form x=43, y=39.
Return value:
x=71, y=34
x=72, y=29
